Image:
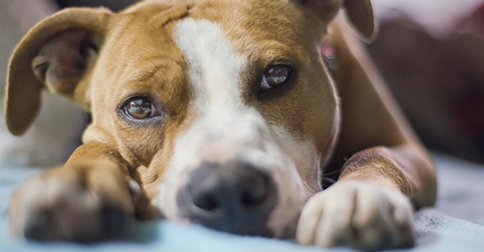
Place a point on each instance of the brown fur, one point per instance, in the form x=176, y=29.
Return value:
x=380, y=123
x=111, y=71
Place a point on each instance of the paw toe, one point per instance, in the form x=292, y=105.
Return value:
x=36, y=226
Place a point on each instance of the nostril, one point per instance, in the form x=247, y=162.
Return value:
x=254, y=192
x=206, y=202
x=252, y=199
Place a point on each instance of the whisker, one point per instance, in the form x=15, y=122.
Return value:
x=330, y=180
x=332, y=172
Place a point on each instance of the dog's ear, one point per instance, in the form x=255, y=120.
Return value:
x=58, y=53
x=359, y=12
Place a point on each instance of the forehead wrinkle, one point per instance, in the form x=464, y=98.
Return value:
x=168, y=15
x=140, y=75
x=147, y=72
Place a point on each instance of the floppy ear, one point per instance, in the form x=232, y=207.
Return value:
x=359, y=12
x=58, y=53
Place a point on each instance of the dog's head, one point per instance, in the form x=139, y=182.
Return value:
x=223, y=107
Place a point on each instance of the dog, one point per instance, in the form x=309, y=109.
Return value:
x=224, y=113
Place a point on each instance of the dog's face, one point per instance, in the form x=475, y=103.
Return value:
x=207, y=100
x=224, y=107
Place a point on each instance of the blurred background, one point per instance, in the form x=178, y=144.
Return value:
x=431, y=53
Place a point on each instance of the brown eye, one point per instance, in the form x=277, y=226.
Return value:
x=276, y=76
x=140, y=108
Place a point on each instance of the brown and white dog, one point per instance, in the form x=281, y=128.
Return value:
x=222, y=113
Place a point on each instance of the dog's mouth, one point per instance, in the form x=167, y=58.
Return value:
x=235, y=197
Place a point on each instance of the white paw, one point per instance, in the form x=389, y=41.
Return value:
x=357, y=214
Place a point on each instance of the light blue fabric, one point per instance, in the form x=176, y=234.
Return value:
x=461, y=194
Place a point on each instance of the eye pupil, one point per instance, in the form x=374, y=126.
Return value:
x=275, y=76
x=139, y=108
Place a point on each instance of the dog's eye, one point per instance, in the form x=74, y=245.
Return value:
x=140, y=108
x=276, y=76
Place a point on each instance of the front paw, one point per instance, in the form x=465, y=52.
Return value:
x=83, y=203
x=359, y=215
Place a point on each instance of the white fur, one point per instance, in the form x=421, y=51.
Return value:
x=357, y=214
x=214, y=73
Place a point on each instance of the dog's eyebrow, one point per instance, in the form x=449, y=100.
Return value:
x=141, y=74
x=145, y=72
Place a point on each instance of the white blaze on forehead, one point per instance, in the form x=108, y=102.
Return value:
x=213, y=72
x=214, y=69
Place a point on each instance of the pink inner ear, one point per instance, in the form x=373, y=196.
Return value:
x=62, y=61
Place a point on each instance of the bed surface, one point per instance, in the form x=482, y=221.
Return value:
x=455, y=224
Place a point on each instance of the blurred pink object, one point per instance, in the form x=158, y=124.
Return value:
x=431, y=52
x=473, y=23
x=439, y=17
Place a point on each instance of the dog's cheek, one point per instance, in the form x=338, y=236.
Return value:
x=139, y=143
x=166, y=191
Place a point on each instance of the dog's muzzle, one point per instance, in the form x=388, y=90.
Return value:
x=234, y=197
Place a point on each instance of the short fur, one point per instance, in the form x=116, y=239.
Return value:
x=101, y=59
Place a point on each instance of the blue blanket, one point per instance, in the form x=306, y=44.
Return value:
x=455, y=224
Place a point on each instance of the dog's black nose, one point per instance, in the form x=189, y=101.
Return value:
x=235, y=197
